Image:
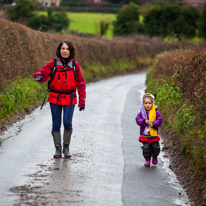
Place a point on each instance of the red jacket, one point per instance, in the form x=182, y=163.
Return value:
x=78, y=82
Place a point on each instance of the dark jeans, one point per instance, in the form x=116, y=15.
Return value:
x=150, y=150
x=57, y=117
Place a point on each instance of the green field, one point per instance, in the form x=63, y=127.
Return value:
x=89, y=22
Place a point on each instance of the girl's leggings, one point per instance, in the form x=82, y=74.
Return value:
x=57, y=117
x=150, y=150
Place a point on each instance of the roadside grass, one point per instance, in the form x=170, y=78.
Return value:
x=20, y=95
x=97, y=71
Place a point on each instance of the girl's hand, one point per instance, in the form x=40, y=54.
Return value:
x=147, y=121
x=150, y=123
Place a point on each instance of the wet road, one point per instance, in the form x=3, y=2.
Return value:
x=106, y=167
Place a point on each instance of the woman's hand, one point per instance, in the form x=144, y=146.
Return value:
x=81, y=108
x=38, y=77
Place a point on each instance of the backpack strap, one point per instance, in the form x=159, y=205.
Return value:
x=74, y=67
x=50, y=80
x=55, y=67
x=53, y=73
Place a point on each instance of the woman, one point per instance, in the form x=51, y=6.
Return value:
x=65, y=76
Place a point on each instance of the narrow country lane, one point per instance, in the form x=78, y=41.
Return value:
x=106, y=167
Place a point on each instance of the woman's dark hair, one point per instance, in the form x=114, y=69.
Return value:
x=71, y=46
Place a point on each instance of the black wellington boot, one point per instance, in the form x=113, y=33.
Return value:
x=57, y=144
x=67, y=138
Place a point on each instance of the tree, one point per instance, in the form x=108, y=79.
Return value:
x=191, y=15
x=202, y=23
x=38, y=23
x=60, y=21
x=153, y=21
x=170, y=20
x=127, y=20
x=54, y=21
x=104, y=26
x=50, y=12
x=22, y=10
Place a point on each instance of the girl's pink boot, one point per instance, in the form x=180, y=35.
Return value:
x=147, y=163
x=154, y=160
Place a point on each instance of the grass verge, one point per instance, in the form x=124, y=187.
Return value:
x=20, y=95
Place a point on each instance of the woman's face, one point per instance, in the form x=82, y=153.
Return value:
x=65, y=51
x=147, y=104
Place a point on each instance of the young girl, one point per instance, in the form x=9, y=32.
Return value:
x=149, y=120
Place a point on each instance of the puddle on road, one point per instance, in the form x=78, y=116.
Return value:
x=35, y=191
x=31, y=193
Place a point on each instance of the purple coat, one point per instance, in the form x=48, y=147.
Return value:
x=141, y=122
